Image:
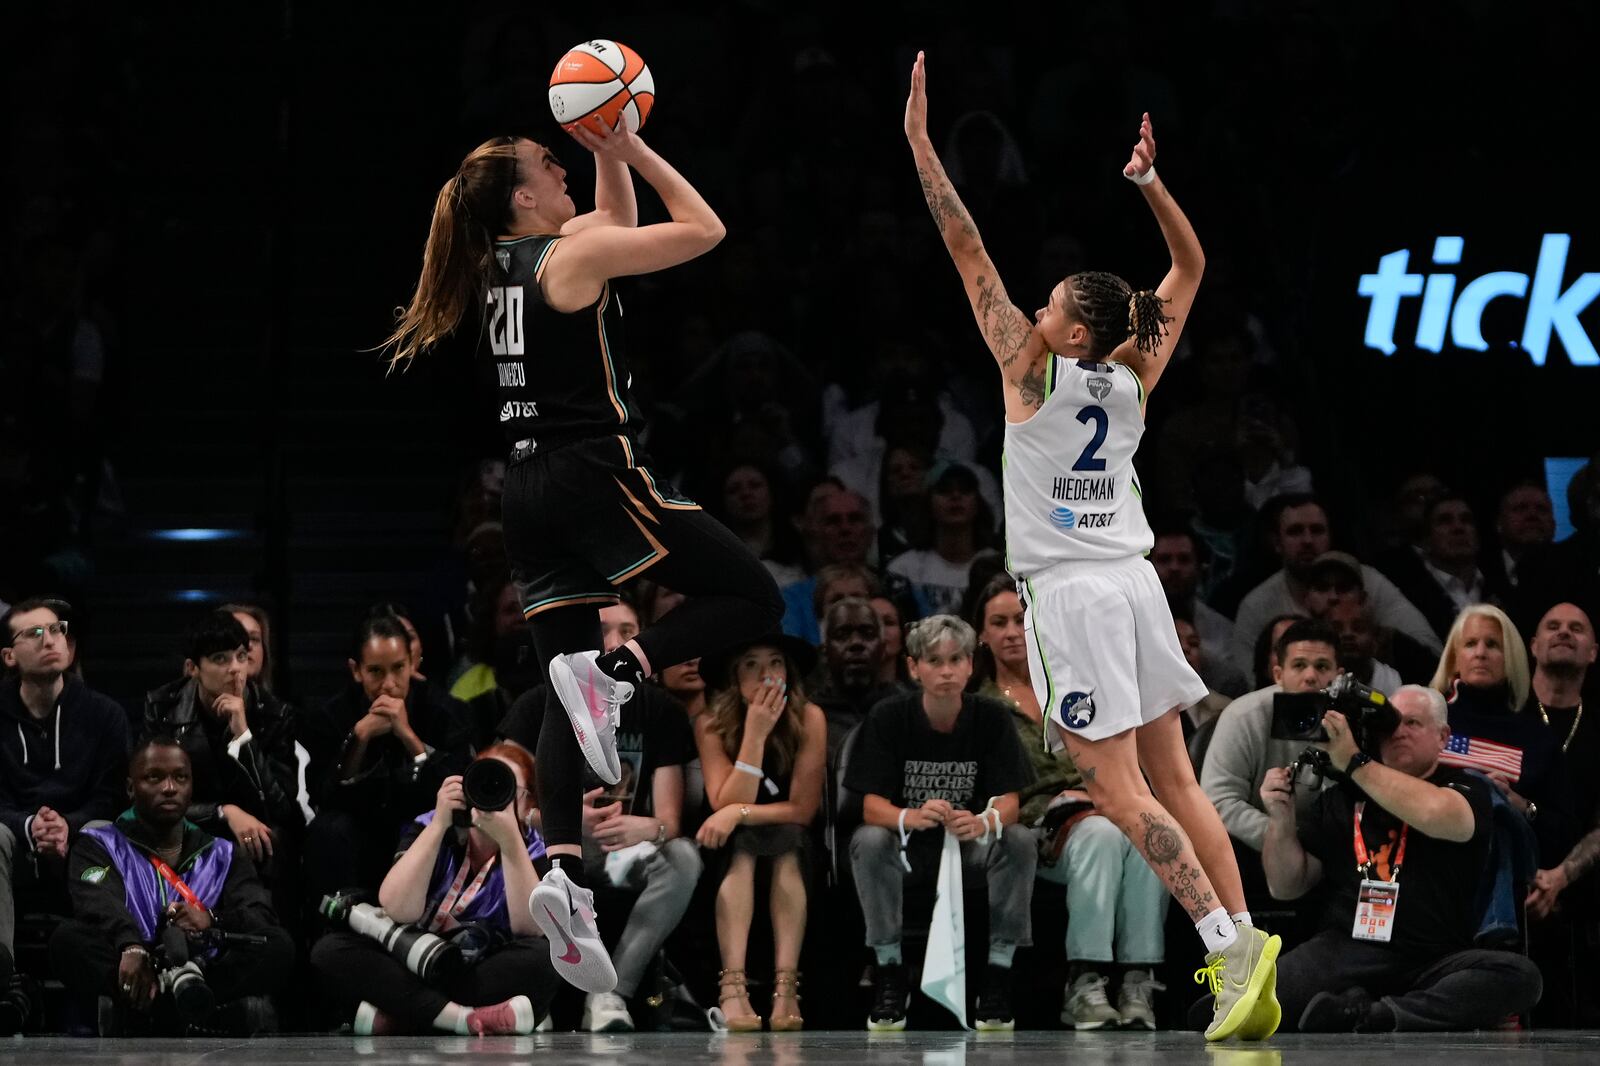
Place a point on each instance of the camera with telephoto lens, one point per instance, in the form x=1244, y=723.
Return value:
x=1298, y=716
x=488, y=785
x=423, y=953
x=178, y=971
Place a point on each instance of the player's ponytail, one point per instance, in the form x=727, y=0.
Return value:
x=470, y=209
x=1113, y=312
x=1146, y=322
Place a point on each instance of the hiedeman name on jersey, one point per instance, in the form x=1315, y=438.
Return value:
x=1090, y=489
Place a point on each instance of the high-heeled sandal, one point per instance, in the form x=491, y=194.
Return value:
x=730, y=986
x=790, y=1022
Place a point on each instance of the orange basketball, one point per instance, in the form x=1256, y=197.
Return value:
x=601, y=81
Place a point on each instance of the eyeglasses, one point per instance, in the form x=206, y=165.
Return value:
x=36, y=634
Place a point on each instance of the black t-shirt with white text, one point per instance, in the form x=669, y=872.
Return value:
x=1436, y=912
x=654, y=731
x=901, y=757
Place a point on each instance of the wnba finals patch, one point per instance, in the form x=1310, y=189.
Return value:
x=1077, y=710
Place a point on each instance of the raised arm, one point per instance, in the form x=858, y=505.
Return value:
x=1177, y=289
x=591, y=254
x=614, y=201
x=1007, y=330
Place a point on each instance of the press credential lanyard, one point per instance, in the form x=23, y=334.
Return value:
x=1375, y=901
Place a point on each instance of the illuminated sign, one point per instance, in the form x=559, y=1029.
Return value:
x=1551, y=309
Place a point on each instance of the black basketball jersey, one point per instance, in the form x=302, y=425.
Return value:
x=554, y=376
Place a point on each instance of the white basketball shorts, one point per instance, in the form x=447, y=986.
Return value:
x=1102, y=649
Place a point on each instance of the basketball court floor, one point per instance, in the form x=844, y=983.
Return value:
x=1554, y=1048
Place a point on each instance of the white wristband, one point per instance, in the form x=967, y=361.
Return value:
x=745, y=768
x=1143, y=179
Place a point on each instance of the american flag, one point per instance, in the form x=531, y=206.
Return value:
x=1474, y=753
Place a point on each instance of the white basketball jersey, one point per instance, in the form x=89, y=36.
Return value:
x=1070, y=488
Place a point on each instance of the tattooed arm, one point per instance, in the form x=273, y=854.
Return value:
x=1178, y=288
x=1549, y=884
x=1007, y=330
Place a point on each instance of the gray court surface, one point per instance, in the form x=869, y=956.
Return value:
x=831, y=1048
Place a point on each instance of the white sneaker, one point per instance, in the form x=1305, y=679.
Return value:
x=1134, y=999
x=1086, y=1005
x=593, y=700
x=565, y=915
x=606, y=1012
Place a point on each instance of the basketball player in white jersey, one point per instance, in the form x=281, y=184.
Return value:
x=1104, y=654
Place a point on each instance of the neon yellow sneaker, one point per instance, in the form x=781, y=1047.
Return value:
x=1238, y=977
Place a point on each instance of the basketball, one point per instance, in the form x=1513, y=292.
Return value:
x=601, y=81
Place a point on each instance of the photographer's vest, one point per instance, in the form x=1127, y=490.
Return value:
x=147, y=894
x=455, y=900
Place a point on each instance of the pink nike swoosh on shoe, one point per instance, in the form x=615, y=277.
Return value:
x=598, y=713
x=573, y=956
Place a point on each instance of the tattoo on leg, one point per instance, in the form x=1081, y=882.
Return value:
x=1162, y=846
x=1088, y=773
x=1161, y=842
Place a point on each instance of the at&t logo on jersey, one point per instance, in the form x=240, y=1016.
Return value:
x=1063, y=518
x=1077, y=709
x=1066, y=518
x=518, y=409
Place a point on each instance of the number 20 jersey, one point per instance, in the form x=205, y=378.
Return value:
x=552, y=376
x=1070, y=488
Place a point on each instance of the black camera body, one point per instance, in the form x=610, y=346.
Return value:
x=488, y=785
x=1298, y=715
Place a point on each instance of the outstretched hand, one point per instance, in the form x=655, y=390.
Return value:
x=1144, y=153
x=917, y=102
x=619, y=143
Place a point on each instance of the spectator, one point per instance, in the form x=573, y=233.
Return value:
x=1116, y=906
x=1299, y=527
x=400, y=614
x=1242, y=751
x=123, y=913
x=241, y=745
x=1568, y=572
x=63, y=748
x=1176, y=557
x=1525, y=524
x=1264, y=437
x=503, y=662
x=1484, y=675
x=1358, y=645
x=750, y=509
x=907, y=518
x=838, y=527
x=1337, y=588
x=1563, y=649
x=632, y=836
x=1443, y=578
x=380, y=749
x=473, y=888
x=763, y=748
x=938, y=570
x=1422, y=973
x=258, y=628
x=892, y=666
x=1196, y=716
x=852, y=648
x=932, y=762
x=1266, y=653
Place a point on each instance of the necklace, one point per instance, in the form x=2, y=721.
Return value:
x=1576, y=718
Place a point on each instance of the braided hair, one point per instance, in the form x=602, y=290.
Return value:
x=1113, y=311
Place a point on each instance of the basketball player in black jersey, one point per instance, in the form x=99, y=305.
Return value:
x=583, y=512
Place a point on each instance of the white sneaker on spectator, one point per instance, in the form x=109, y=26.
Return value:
x=1086, y=1005
x=593, y=700
x=565, y=915
x=606, y=1012
x=1134, y=999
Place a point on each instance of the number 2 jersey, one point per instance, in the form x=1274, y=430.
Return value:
x=554, y=376
x=1070, y=488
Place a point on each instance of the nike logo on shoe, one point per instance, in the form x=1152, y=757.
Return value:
x=573, y=956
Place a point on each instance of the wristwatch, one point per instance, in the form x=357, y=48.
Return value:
x=744, y=812
x=661, y=833
x=1533, y=810
x=1357, y=761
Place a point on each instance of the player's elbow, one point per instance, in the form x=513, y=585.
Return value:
x=712, y=233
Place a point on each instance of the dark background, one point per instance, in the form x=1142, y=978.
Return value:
x=236, y=195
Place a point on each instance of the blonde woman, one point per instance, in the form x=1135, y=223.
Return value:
x=1484, y=674
x=763, y=749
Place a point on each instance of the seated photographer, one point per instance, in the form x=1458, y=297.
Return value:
x=1116, y=906
x=380, y=749
x=1484, y=675
x=241, y=744
x=63, y=753
x=632, y=831
x=170, y=922
x=1388, y=959
x=763, y=750
x=938, y=761
x=470, y=887
x=1243, y=750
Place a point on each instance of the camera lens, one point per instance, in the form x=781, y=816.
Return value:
x=489, y=785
